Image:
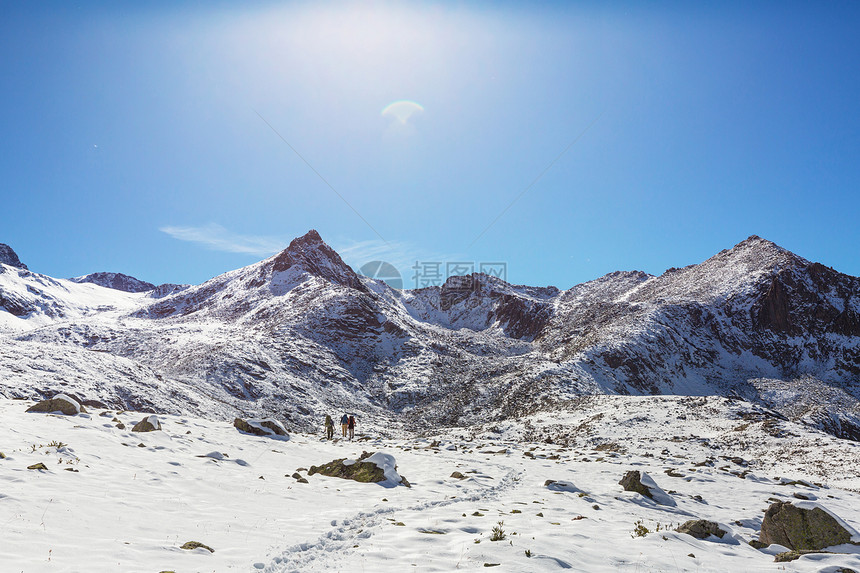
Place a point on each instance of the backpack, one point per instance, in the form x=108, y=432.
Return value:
x=345, y=419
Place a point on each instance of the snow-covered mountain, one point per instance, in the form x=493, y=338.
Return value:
x=301, y=332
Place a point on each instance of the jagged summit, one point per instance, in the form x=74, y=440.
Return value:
x=764, y=248
x=9, y=257
x=117, y=281
x=310, y=253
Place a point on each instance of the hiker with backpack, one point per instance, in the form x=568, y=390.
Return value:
x=344, y=424
x=351, y=426
x=329, y=427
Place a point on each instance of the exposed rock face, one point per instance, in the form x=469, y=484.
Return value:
x=311, y=254
x=116, y=281
x=774, y=313
x=148, y=424
x=9, y=257
x=267, y=427
x=59, y=403
x=701, y=529
x=801, y=529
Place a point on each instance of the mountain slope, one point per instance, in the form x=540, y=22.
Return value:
x=300, y=332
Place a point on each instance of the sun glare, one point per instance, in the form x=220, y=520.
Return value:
x=402, y=110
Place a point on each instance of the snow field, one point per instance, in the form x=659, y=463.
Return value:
x=130, y=508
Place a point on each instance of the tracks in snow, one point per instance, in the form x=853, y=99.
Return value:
x=347, y=533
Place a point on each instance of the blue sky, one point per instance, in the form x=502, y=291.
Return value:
x=137, y=139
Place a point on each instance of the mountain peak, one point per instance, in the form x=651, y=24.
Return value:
x=9, y=257
x=310, y=253
x=310, y=237
x=754, y=241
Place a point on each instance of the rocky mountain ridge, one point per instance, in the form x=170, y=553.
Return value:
x=301, y=332
x=116, y=281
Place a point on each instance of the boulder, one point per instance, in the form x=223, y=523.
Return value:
x=148, y=424
x=260, y=427
x=359, y=471
x=39, y=466
x=701, y=529
x=368, y=468
x=643, y=484
x=632, y=481
x=801, y=528
x=556, y=485
x=59, y=403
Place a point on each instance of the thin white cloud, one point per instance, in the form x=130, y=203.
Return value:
x=402, y=255
x=217, y=238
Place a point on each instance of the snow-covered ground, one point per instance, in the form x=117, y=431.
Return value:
x=114, y=500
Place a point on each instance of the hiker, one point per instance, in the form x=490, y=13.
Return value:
x=344, y=424
x=351, y=425
x=329, y=427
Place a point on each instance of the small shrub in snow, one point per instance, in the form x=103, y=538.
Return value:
x=189, y=545
x=498, y=533
x=639, y=529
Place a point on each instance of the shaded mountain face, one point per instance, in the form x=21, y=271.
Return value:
x=301, y=332
x=9, y=257
x=116, y=281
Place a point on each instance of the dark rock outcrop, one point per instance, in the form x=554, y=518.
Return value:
x=801, y=529
x=9, y=257
x=774, y=313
